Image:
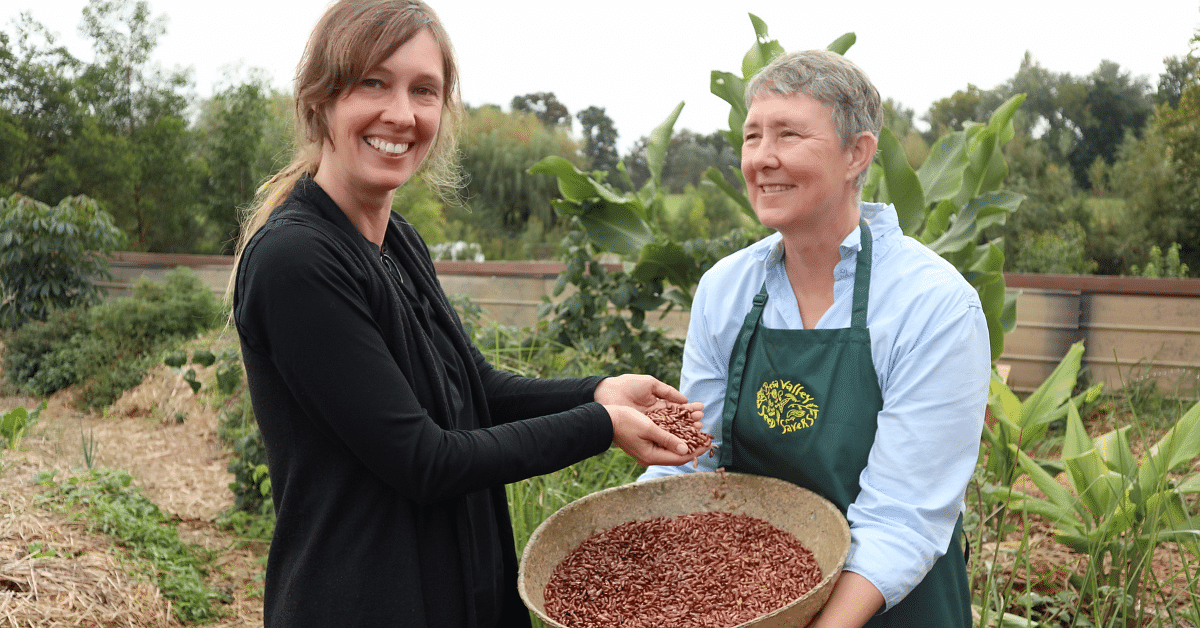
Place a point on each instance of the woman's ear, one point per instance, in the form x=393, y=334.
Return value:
x=862, y=152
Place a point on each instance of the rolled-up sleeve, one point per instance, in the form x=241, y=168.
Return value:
x=924, y=454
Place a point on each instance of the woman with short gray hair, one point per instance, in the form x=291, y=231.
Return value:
x=879, y=346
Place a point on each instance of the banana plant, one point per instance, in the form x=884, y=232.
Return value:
x=950, y=200
x=1118, y=509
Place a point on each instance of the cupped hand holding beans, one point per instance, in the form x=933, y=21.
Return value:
x=641, y=392
x=647, y=442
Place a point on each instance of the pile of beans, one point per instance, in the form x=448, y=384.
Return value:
x=678, y=421
x=702, y=570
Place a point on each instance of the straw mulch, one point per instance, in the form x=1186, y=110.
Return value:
x=54, y=574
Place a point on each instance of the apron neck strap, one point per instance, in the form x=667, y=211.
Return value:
x=862, y=277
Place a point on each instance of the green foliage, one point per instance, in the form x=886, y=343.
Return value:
x=1121, y=509
x=599, y=140
x=117, y=129
x=952, y=199
x=107, y=348
x=240, y=155
x=1158, y=266
x=1058, y=251
x=1022, y=425
x=106, y=504
x=497, y=148
x=606, y=315
x=422, y=208
x=49, y=256
x=252, y=514
x=229, y=372
x=15, y=423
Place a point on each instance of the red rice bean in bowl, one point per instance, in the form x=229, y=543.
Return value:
x=700, y=570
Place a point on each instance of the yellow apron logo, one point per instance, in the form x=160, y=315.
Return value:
x=786, y=406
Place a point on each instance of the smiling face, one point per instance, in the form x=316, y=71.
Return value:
x=798, y=174
x=382, y=127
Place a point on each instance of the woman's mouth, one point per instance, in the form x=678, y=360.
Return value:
x=388, y=148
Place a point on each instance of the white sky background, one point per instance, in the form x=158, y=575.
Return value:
x=639, y=58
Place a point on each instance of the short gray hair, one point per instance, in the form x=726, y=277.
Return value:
x=829, y=78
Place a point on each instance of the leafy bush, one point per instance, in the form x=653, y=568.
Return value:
x=1158, y=267
x=107, y=348
x=1060, y=251
x=49, y=256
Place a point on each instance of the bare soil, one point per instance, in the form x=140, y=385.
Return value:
x=53, y=573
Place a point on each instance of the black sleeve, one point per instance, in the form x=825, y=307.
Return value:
x=512, y=397
x=302, y=305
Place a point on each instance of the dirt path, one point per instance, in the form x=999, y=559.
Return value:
x=54, y=574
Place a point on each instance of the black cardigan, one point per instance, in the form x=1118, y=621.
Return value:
x=387, y=459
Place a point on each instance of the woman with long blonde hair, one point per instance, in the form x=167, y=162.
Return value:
x=389, y=436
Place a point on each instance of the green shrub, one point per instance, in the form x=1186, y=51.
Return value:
x=49, y=255
x=106, y=349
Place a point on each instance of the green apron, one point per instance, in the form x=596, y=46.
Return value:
x=801, y=405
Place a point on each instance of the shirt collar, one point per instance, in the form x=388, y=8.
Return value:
x=881, y=216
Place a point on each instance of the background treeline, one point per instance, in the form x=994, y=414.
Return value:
x=1109, y=162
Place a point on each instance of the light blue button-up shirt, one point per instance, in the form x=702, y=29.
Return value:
x=930, y=347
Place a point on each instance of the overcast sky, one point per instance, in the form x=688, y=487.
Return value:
x=640, y=58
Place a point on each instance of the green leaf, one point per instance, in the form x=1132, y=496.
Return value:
x=664, y=261
x=574, y=184
x=990, y=287
x=175, y=359
x=842, y=44
x=660, y=140
x=743, y=202
x=1043, y=404
x=1099, y=489
x=1114, y=448
x=1056, y=493
x=203, y=357
x=616, y=228
x=1179, y=445
x=731, y=89
x=1076, y=440
x=941, y=174
x=901, y=187
x=762, y=52
x=978, y=214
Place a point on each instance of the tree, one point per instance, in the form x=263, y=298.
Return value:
x=49, y=256
x=497, y=149
x=950, y=113
x=142, y=108
x=545, y=106
x=1115, y=104
x=689, y=156
x=235, y=143
x=1178, y=74
x=599, y=140
x=39, y=109
x=1177, y=218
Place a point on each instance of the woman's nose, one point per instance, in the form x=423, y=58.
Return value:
x=761, y=155
x=398, y=110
